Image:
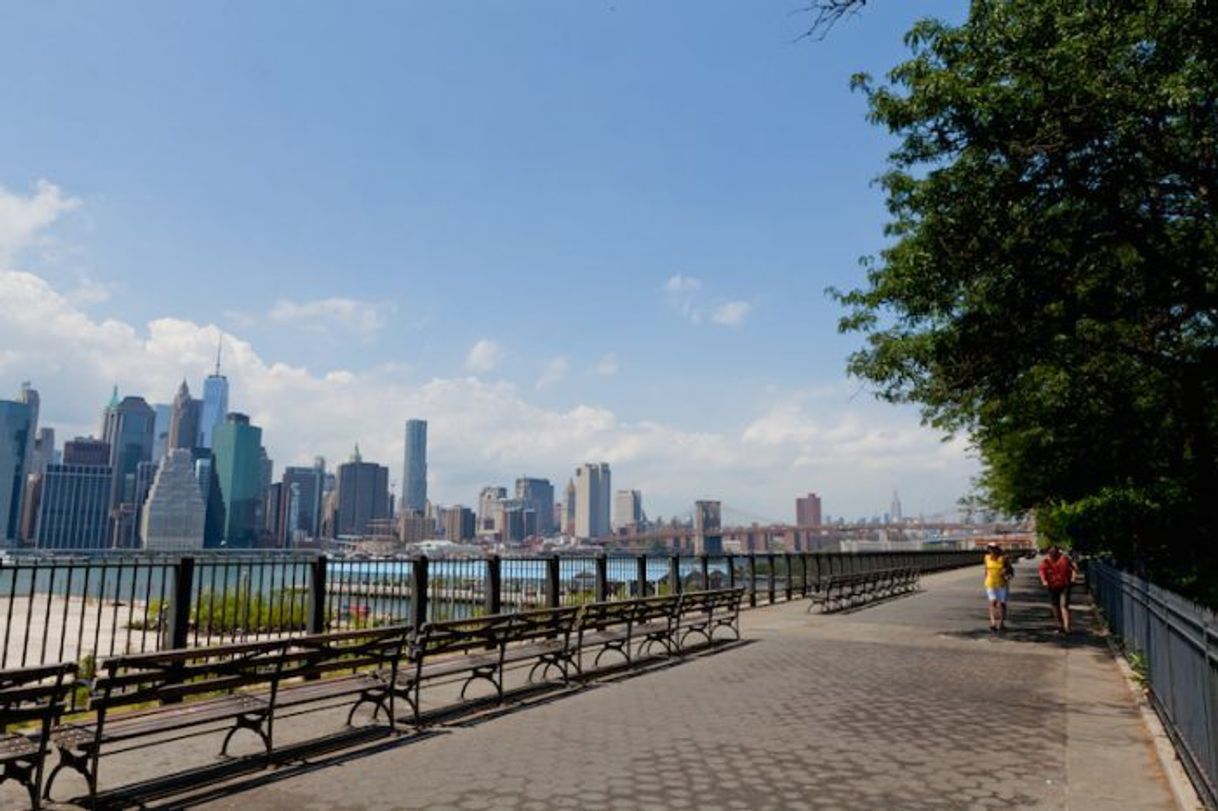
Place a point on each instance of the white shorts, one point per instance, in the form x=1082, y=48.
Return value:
x=999, y=594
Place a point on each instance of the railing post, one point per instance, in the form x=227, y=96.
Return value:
x=641, y=576
x=769, y=586
x=602, y=578
x=178, y=619
x=752, y=580
x=803, y=568
x=418, y=601
x=787, y=558
x=492, y=600
x=674, y=573
x=316, y=620
x=731, y=571
x=705, y=566
x=553, y=595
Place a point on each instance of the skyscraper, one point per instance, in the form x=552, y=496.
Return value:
x=362, y=496
x=627, y=509
x=175, y=514
x=129, y=431
x=459, y=524
x=488, y=508
x=29, y=395
x=44, y=450
x=184, y=421
x=86, y=451
x=807, y=510
x=568, y=508
x=894, y=510
x=74, y=511
x=215, y=403
x=274, y=516
x=592, y=484
x=129, y=428
x=16, y=420
x=538, y=494
x=237, y=450
x=414, y=473
x=209, y=487
x=31, y=500
x=303, y=492
x=160, y=434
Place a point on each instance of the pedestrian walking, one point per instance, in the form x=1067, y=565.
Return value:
x=1057, y=572
x=998, y=572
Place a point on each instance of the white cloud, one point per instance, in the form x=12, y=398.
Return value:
x=684, y=294
x=731, y=314
x=483, y=356
x=89, y=292
x=481, y=432
x=682, y=284
x=22, y=218
x=554, y=372
x=607, y=366
x=363, y=318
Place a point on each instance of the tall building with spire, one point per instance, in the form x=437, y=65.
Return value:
x=215, y=402
x=184, y=421
x=414, y=473
x=894, y=511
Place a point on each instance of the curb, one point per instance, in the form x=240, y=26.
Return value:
x=1181, y=786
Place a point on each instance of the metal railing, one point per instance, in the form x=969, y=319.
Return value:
x=1177, y=641
x=83, y=608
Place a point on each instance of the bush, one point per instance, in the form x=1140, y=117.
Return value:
x=1145, y=530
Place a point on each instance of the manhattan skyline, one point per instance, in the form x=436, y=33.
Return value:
x=620, y=267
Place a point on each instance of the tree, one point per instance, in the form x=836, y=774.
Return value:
x=827, y=13
x=1051, y=287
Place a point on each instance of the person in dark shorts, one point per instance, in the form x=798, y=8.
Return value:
x=1057, y=576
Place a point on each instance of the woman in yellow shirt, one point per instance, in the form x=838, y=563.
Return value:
x=998, y=573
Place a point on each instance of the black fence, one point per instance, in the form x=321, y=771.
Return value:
x=1174, y=644
x=81, y=609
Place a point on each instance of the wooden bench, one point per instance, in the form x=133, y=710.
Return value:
x=328, y=667
x=35, y=697
x=621, y=626
x=480, y=648
x=242, y=684
x=702, y=613
x=840, y=591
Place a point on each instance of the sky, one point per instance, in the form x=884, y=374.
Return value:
x=560, y=231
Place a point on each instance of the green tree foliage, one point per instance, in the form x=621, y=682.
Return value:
x=1051, y=287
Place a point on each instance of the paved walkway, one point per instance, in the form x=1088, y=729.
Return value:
x=912, y=704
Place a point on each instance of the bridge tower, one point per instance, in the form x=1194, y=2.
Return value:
x=708, y=528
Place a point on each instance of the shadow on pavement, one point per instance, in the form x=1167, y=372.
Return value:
x=1030, y=618
x=232, y=776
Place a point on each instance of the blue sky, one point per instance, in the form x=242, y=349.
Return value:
x=614, y=208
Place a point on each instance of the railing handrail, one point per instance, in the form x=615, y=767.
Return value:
x=1169, y=617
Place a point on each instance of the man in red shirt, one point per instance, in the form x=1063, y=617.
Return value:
x=1057, y=575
